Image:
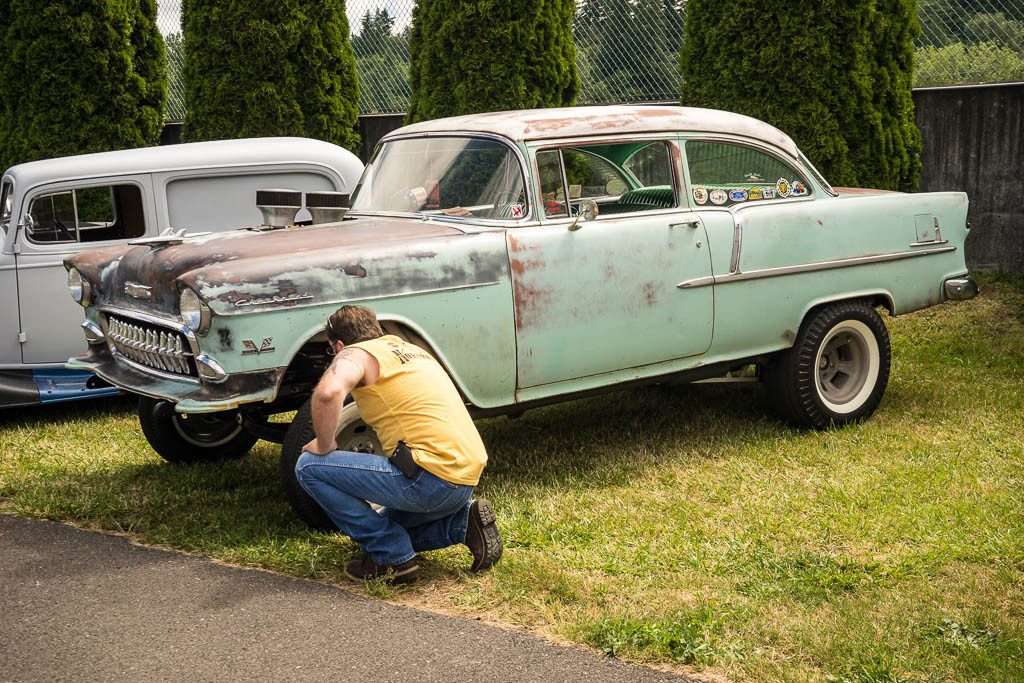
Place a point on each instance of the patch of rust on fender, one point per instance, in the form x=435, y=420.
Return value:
x=335, y=275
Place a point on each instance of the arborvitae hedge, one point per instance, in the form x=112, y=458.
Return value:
x=469, y=56
x=255, y=69
x=79, y=76
x=834, y=75
x=150, y=64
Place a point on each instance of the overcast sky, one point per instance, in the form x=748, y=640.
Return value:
x=169, y=13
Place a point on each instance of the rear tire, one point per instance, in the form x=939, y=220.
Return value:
x=836, y=372
x=353, y=435
x=199, y=437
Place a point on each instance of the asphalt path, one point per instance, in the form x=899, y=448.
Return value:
x=83, y=606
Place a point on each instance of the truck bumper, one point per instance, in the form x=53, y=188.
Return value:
x=960, y=288
x=188, y=396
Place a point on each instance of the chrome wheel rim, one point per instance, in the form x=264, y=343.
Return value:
x=358, y=437
x=207, y=430
x=846, y=366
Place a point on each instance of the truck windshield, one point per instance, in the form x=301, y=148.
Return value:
x=460, y=177
x=6, y=201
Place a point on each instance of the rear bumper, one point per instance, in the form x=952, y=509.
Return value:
x=960, y=288
x=188, y=396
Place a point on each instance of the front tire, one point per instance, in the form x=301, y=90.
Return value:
x=836, y=372
x=353, y=435
x=199, y=437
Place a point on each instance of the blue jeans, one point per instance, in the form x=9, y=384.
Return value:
x=422, y=513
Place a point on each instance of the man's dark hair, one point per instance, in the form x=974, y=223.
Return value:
x=353, y=324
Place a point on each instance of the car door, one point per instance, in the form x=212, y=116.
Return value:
x=603, y=297
x=67, y=219
x=10, y=325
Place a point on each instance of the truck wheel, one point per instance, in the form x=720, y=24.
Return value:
x=199, y=437
x=836, y=371
x=353, y=435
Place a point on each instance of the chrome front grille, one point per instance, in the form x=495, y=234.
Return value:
x=151, y=345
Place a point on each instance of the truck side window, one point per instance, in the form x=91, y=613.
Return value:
x=87, y=214
x=724, y=174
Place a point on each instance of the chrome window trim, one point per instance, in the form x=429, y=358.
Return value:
x=69, y=185
x=808, y=267
x=523, y=169
x=780, y=155
x=670, y=140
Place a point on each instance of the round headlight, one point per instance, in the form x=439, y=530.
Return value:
x=194, y=313
x=79, y=287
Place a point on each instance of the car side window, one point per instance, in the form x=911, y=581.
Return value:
x=725, y=174
x=552, y=187
x=87, y=214
x=621, y=178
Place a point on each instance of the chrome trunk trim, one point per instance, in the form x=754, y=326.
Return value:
x=809, y=267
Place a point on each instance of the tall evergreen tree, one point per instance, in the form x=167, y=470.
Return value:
x=150, y=64
x=257, y=69
x=79, y=76
x=834, y=75
x=471, y=56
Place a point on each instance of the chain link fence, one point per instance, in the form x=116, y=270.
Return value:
x=168, y=20
x=627, y=50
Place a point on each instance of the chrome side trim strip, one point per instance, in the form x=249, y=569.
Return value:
x=809, y=267
x=355, y=299
x=697, y=282
x=737, y=242
x=930, y=243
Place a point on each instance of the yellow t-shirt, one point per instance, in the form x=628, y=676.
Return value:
x=415, y=401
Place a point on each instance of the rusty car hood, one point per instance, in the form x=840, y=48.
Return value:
x=235, y=266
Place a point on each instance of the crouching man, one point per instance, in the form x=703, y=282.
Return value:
x=436, y=454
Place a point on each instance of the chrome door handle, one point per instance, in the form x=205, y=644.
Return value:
x=695, y=223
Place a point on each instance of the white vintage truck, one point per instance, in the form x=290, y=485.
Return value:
x=56, y=208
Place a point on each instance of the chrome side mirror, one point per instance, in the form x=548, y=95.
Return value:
x=586, y=210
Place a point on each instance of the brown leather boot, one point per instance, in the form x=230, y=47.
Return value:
x=364, y=569
x=482, y=535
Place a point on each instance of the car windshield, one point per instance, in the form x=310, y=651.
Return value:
x=460, y=177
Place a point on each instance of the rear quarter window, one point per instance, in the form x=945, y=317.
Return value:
x=727, y=174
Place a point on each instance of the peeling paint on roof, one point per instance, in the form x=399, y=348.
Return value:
x=567, y=122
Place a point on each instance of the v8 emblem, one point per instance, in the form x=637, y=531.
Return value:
x=252, y=350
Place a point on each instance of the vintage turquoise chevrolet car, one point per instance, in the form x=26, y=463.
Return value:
x=540, y=256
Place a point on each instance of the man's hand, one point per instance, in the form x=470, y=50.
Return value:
x=316, y=448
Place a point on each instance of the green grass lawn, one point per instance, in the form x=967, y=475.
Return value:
x=679, y=526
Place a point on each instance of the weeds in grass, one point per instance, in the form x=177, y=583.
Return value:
x=687, y=636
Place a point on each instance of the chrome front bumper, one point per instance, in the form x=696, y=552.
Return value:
x=188, y=395
x=960, y=288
